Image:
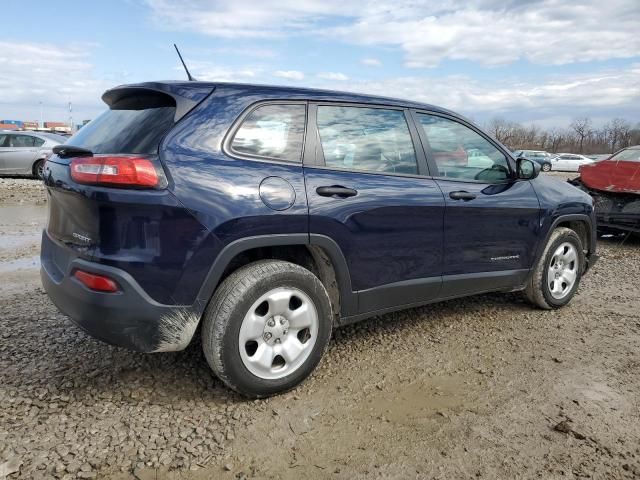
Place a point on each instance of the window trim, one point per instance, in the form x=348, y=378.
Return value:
x=227, y=141
x=433, y=167
x=315, y=158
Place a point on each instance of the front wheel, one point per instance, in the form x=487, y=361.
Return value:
x=555, y=278
x=546, y=167
x=267, y=327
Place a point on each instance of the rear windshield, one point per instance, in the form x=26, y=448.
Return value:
x=118, y=130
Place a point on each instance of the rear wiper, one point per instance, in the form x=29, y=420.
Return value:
x=66, y=151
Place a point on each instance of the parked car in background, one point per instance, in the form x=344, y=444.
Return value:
x=24, y=152
x=267, y=216
x=598, y=157
x=615, y=186
x=541, y=157
x=569, y=162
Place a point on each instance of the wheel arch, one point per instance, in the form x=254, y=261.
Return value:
x=317, y=253
x=579, y=223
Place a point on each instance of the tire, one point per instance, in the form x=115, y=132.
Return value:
x=538, y=289
x=546, y=167
x=38, y=169
x=249, y=323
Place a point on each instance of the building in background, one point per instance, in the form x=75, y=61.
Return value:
x=11, y=124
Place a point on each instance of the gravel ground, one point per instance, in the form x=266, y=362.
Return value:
x=484, y=387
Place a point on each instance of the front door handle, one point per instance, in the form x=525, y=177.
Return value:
x=462, y=195
x=336, y=191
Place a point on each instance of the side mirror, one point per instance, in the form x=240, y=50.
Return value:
x=526, y=169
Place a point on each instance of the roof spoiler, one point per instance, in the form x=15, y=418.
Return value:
x=185, y=96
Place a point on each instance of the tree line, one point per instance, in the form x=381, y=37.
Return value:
x=579, y=137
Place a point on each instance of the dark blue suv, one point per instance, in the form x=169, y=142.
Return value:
x=270, y=215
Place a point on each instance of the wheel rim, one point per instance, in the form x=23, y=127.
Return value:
x=40, y=170
x=278, y=333
x=546, y=167
x=563, y=270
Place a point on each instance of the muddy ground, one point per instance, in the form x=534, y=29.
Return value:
x=485, y=387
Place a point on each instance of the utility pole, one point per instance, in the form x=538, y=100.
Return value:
x=70, y=117
x=41, y=116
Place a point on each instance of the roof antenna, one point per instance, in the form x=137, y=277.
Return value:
x=184, y=64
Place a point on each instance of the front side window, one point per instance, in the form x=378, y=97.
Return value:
x=37, y=142
x=460, y=152
x=368, y=139
x=272, y=131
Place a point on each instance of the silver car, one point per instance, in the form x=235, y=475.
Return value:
x=24, y=153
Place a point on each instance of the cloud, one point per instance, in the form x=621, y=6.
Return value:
x=31, y=73
x=289, y=74
x=543, y=32
x=337, y=76
x=614, y=91
x=244, y=18
x=371, y=62
x=204, y=70
x=489, y=32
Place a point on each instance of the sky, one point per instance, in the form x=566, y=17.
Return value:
x=535, y=62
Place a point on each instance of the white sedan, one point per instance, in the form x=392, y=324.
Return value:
x=569, y=162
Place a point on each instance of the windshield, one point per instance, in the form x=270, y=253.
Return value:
x=136, y=131
x=629, y=155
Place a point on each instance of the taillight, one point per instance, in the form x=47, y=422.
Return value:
x=99, y=283
x=117, y=171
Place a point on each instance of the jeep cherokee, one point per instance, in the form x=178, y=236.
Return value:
x=270, y=215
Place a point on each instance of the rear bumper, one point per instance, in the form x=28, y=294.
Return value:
x=128, y=318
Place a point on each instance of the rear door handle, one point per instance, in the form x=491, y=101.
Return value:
x=462, y=195
x=337, y=191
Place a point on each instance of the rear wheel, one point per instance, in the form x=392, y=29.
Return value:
x=267, y=327
x=555, y=278
x=38, y=169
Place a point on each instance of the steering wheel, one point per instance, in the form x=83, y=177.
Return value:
x=495, y=168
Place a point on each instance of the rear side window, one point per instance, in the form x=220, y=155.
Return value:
x=369, y=139
x=272, y=131
x=21, y=141
x=133, y=125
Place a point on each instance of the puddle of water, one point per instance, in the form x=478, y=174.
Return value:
x=12, y=240
x=35, y=215
x=418, y=400
x=20, y=264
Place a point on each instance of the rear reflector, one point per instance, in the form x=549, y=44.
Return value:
x=96, y=282
x=113, y=170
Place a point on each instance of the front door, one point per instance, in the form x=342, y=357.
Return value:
x=491, y=219
x=367, y=190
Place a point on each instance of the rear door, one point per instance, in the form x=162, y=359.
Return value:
x=19, y=153
x=491, y=219
x=368, y=190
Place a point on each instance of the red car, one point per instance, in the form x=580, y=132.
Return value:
x=614, y=183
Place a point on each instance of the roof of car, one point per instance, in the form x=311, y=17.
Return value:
x=288, y=91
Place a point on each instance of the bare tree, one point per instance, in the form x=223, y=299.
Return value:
x=582, y=127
